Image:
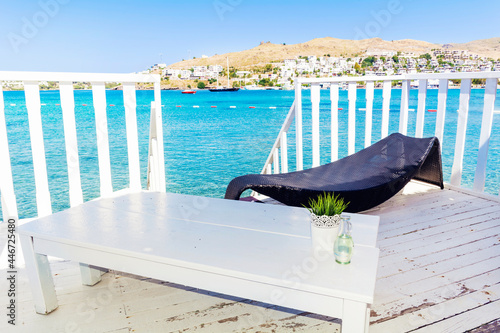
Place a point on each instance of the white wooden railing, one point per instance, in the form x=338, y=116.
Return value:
x=31, y=81
x=278, y=158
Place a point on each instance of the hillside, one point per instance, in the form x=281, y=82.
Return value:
x=484, y=47
x=268, y=52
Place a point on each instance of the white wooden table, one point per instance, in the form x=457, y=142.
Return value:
x=249, y=250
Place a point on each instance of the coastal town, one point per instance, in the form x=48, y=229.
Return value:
x=281, y=74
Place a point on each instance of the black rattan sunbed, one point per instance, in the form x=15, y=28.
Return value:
x=365, y=179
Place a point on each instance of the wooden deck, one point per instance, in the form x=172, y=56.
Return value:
x=439, y=271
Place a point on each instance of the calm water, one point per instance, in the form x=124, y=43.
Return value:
x=206, y=147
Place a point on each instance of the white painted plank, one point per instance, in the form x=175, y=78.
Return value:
x=315, y=98
x=434, y=313
x=433, y=217
x=334, y=121
x=351, y=126
x=431, y=209
x=72, y=158
x=101, y=122
x=415, y=231
x=484, y=138
x=432, y=205
x=422, y=95
x=396, y=239
x=298, y=126
x=392, y=254
x=466, y=320
x=392, y=266
x=8, y=196
x=129, y=100
x=463, y=112
x=403, y=116
x=369, y=113
x=386, y=105
x=433, y=270
x=32, y=93
x=441, y=109
x=284, y=153
x=432, y=287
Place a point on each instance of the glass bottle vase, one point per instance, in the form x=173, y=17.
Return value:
x=344, y=244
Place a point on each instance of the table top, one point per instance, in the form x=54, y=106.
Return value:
x=265, y=243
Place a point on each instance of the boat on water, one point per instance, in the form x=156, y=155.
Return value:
x=224, y=89
x=254, y=87
x=189, y=91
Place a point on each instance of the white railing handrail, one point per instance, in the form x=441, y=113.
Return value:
x=491, y=78
x=418, y=76
x=31, y=82
x=284, y=129
x=79, y=77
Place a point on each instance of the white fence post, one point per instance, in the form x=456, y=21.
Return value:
x=72, y=158
x=334, y=121
x=315, y=98
x=386, y=105
x=153, y=180
x=276, y=161
x=369, y=112
x=156, y=160
x=159, y=137
x=9, y=204
x=32, y=93
x=101, y=124
x=463, y=112
x=351, y=135
x=422, y=95
x=284, y=153
x=129, y=100
x=484, y=139
x=403, y=116
x=298, y=125
x=441, y=110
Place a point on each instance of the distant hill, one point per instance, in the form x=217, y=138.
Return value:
x=484, y=47
x=266, y=53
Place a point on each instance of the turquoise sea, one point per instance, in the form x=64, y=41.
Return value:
x=206, y=146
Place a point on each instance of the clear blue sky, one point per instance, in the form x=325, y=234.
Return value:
x=127, y=36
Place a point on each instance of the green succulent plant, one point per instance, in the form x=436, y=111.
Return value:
x=327, y=204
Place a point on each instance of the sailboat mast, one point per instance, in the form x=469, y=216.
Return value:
x=227, y=63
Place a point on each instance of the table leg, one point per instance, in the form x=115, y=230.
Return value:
x=354, y=318
x=90, y=275
x=40, y=277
